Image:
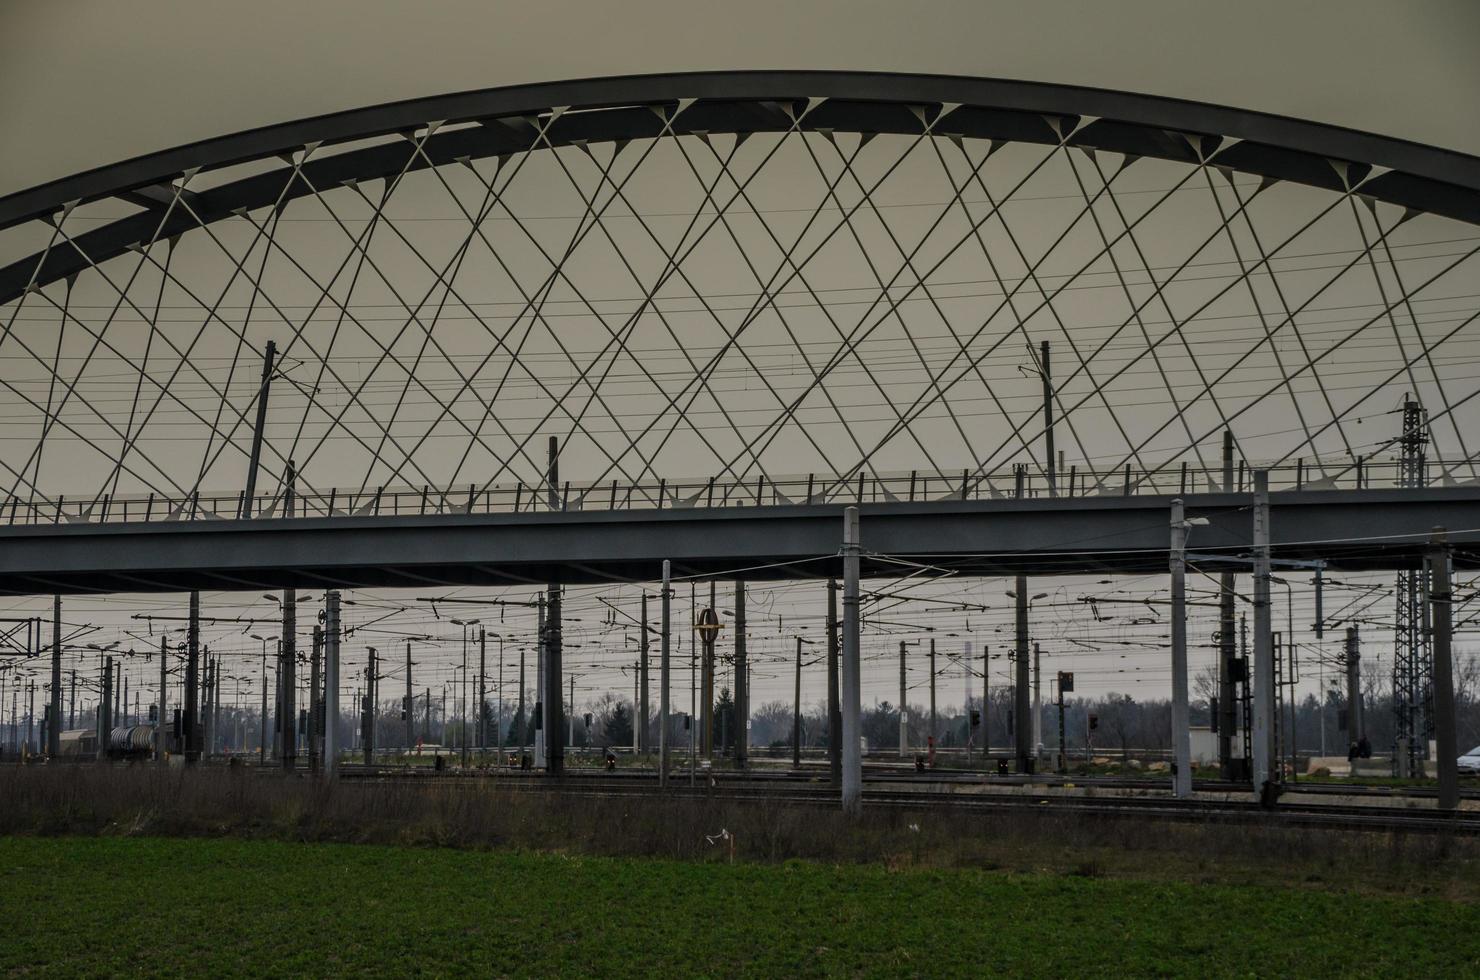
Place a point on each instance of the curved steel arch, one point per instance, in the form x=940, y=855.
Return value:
x=1409, y=175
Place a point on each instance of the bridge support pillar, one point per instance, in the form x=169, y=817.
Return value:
x=1181, y=733
x=1442, y=617
x=851, y=691
x=1262, y=740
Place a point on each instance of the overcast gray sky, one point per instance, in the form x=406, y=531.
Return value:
x=86, y=83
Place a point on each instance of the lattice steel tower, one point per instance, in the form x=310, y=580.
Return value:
x=1413, y=657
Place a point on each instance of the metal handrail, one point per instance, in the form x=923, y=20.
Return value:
x=1020, y=482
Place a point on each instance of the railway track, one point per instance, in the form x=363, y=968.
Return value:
x=893, y=792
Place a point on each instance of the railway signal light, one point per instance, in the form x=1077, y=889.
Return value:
x=1094, y=721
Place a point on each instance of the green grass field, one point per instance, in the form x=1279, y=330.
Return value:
x=89, y=906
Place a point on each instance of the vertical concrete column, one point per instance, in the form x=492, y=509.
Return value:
x=1441, y=592
x=1355, y=723
x=1181, y=720
x=851, y=692
x=191, y=720
x=644, y=712
x=288, y=669
x=664, y=735
x=742, y=682
x=315, y=699
x=554, y=676
x=1022, y=706
x=105, y=709
x=539, y=686
x=904, y=691
x=1227, y=640
x=331, y=683
x=161, y=727
x=54, y=729
x=934, y=722
x=1262, y=740
x=834, y=711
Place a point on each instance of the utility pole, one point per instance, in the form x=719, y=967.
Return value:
x=1181, y=718
x=663, y=666
x=1227, y=640
x=796, y=714
x=1441, y=590
x=644, y=713
x=161, y=742
x=410, y=702
x=105, y=707
x=482, y=691
x=262, y=719
x=1263, y=721
x=523, y=713
x=191, y=720
x=1022, y=724
x=287, y=670
x=706, y=689
x=367, y=711
x=1037, y=702
x=1355, y=727
x=742, y=682
x=539, y=686
x=834, y=712
x=256, y=455
x=852, y=763
x=54, y=730
x=904, y=734
x=554, y=706
x=934, y=724
x=315, y=700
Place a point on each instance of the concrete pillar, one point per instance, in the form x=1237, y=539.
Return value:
x=934, y=718
x=288, y=671
x=1441, y=590
x=315, y=700
x=904, y=731
x=1227, y=640
x=539, y=685
x=105, y=709
x=554, y=677
x=54, y=729
x=644, y=712
x=796, y=713
x=742, y=682
x=1355, y=722
x=834, y=712
x=191, y=720
x=331, y=682
x=1181, y=720
x=851, y=691
x=706, y=689
x=1022, y=706
x=664, y=735
x=162, y=726
x=1263, y=763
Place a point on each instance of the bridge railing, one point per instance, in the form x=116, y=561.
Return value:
x=1021, y=482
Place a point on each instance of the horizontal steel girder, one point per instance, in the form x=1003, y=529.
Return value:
x=1355, y=529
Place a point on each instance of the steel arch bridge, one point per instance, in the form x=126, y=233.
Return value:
x=728, y=290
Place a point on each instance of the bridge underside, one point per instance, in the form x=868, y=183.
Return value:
x=1358, y=529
